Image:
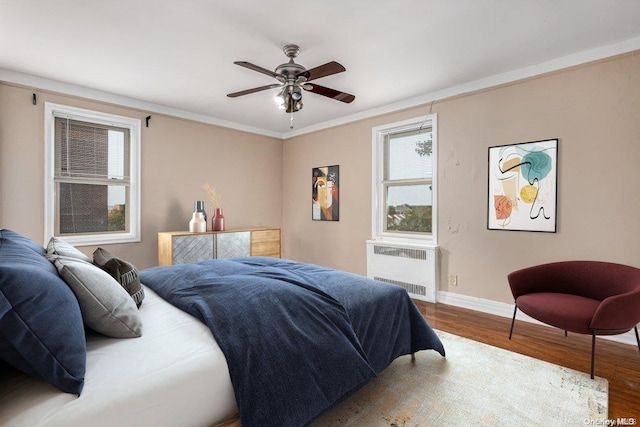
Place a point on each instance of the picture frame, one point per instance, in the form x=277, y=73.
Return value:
x=522, y=186
x=325, y=200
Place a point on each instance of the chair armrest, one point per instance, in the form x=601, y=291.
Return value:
x=617, y=313
x=539, y=278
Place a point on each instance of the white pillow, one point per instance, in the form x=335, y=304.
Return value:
x=58, y=246
x=106, y=307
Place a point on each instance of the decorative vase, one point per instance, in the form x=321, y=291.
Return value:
x=197, y=223
x=198, y=206
x=218, y=220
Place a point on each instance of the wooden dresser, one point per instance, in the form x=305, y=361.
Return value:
x=181, y=247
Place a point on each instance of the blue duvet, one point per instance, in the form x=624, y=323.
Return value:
x=297, y=337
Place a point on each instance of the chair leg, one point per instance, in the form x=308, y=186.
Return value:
x=593, y=353
x=593, y=348
x=514, y=320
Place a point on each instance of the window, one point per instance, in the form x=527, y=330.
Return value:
x=92, y=178
x=404, y=187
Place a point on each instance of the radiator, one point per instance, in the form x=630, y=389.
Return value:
x=411, y=266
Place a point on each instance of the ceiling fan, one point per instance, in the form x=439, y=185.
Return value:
x=293, y=78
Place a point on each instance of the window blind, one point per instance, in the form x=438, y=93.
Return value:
x=89, y=150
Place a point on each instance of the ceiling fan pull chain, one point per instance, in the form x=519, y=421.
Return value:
x=291, y=123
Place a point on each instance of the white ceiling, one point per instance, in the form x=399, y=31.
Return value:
x=177, y=56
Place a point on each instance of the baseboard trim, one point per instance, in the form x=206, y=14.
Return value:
x=506, y=310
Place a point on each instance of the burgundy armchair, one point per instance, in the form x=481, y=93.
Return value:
x=585, y=297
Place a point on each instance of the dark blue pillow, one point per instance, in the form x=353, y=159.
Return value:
x=41, y=328
x=22, y=240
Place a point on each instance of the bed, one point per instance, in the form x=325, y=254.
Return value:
x=278, y=341
x=165, y=377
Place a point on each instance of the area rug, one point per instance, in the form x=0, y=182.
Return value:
x=475, y=385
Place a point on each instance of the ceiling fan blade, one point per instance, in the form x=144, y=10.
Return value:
x=255, y=89
x=257, y=68
x=323, y=71
x=330, y=93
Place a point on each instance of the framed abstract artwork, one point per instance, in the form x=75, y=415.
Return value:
x=523, y=180
x=325, y=204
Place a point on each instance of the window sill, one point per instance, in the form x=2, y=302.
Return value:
x=423, y=242
x=96, y=240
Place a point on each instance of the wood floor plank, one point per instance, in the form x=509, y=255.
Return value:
x=618, y=363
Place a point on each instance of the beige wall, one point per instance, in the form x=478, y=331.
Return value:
x=178, y=156
x=594, y=111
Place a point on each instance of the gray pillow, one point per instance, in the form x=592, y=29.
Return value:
x=124, y=272
x=59, y=247
x=105, y=305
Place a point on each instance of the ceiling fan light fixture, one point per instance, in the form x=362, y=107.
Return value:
x=281, y=98
x=296, y=93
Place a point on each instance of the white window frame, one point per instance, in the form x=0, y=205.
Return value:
x=378, y=210
x=50, y=197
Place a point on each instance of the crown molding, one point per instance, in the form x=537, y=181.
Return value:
x=41, y=83
x=495, y=80
x=568, y=61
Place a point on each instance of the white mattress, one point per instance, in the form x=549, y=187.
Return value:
x=174, y=375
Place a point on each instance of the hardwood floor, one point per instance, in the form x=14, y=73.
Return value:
x=618, y=363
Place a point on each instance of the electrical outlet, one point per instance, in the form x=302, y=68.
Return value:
x=453, y=280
